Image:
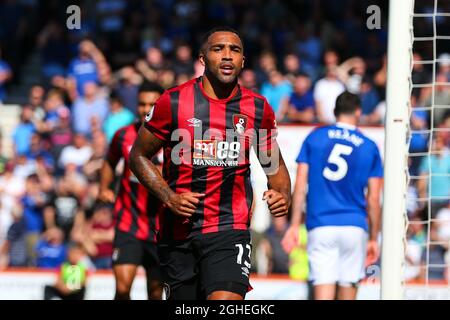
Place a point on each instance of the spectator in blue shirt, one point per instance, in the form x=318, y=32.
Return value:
x=89, y=111
x=52, y=104
x=300, y=105
x=369, y=101
x=50, y=249
x=37, y=151
x=118, y=116
x=128, y=87
x=267, y=63
x=309, y=49
x=275, y=90
x=24, y=130
x=32, y=203
x=84, y=68
x=434, y=170
x=419, y=141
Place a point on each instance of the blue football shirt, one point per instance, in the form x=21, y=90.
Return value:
x=83, y=71
x=340, y=160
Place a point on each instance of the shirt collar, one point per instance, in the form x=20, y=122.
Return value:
x=345, y=126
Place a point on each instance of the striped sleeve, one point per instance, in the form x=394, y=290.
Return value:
x=268, y=128
x=159, y=120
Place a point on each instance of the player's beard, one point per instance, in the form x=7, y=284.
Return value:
x=215, y=74
x=226, y=79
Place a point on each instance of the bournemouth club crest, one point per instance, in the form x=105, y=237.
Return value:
x=239, y=123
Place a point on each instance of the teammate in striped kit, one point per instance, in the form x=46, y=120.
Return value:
x=135, y=209
x=204, y=237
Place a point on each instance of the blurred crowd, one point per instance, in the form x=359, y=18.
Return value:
x=300, y=55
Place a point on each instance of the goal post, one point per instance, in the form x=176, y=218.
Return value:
x=396, y=147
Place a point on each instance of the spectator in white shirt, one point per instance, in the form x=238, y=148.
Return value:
x=79, y=153
x=326, y=91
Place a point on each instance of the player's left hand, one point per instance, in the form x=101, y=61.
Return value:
x=290, y=239
x=277, y=203
x=373, y=252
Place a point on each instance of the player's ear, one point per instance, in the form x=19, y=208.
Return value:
x=243, y=61
x=201, y=58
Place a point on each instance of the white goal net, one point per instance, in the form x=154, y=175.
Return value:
x=425, y=267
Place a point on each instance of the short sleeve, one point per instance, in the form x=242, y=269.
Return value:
x=159, y=120
x=377, y=166
x=305, y=150
x=268, y=128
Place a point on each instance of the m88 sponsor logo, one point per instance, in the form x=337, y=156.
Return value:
x=221, y=153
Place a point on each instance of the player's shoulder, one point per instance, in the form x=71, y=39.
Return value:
x=182, y=86
x=121, y=131
x=368, y=141
x=320, y=130
x=248, y=92
x=167, y=96
x=317, y=134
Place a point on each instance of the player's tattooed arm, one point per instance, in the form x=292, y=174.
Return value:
x=279, y=184
x=144, y=148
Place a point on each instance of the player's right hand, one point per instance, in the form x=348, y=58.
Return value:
x=184, y=204
x=373, y=252
x=290, y=239
x=106, y=196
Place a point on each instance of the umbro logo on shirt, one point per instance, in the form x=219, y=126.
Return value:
x=194, y=122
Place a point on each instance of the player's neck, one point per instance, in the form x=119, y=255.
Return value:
x=216, y=89
x=347, y=120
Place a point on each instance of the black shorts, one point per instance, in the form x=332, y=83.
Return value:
x=130, y=250
x=194, y=268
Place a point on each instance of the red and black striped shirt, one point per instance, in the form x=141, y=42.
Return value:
x=135, y=208
x=213, y=157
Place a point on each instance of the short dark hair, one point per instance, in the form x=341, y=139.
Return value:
x=33, y=178
x=148, y=86
x=347, y=103
x=302, y=74
x=114, y=96
x=75, y=245
x=219, y=29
